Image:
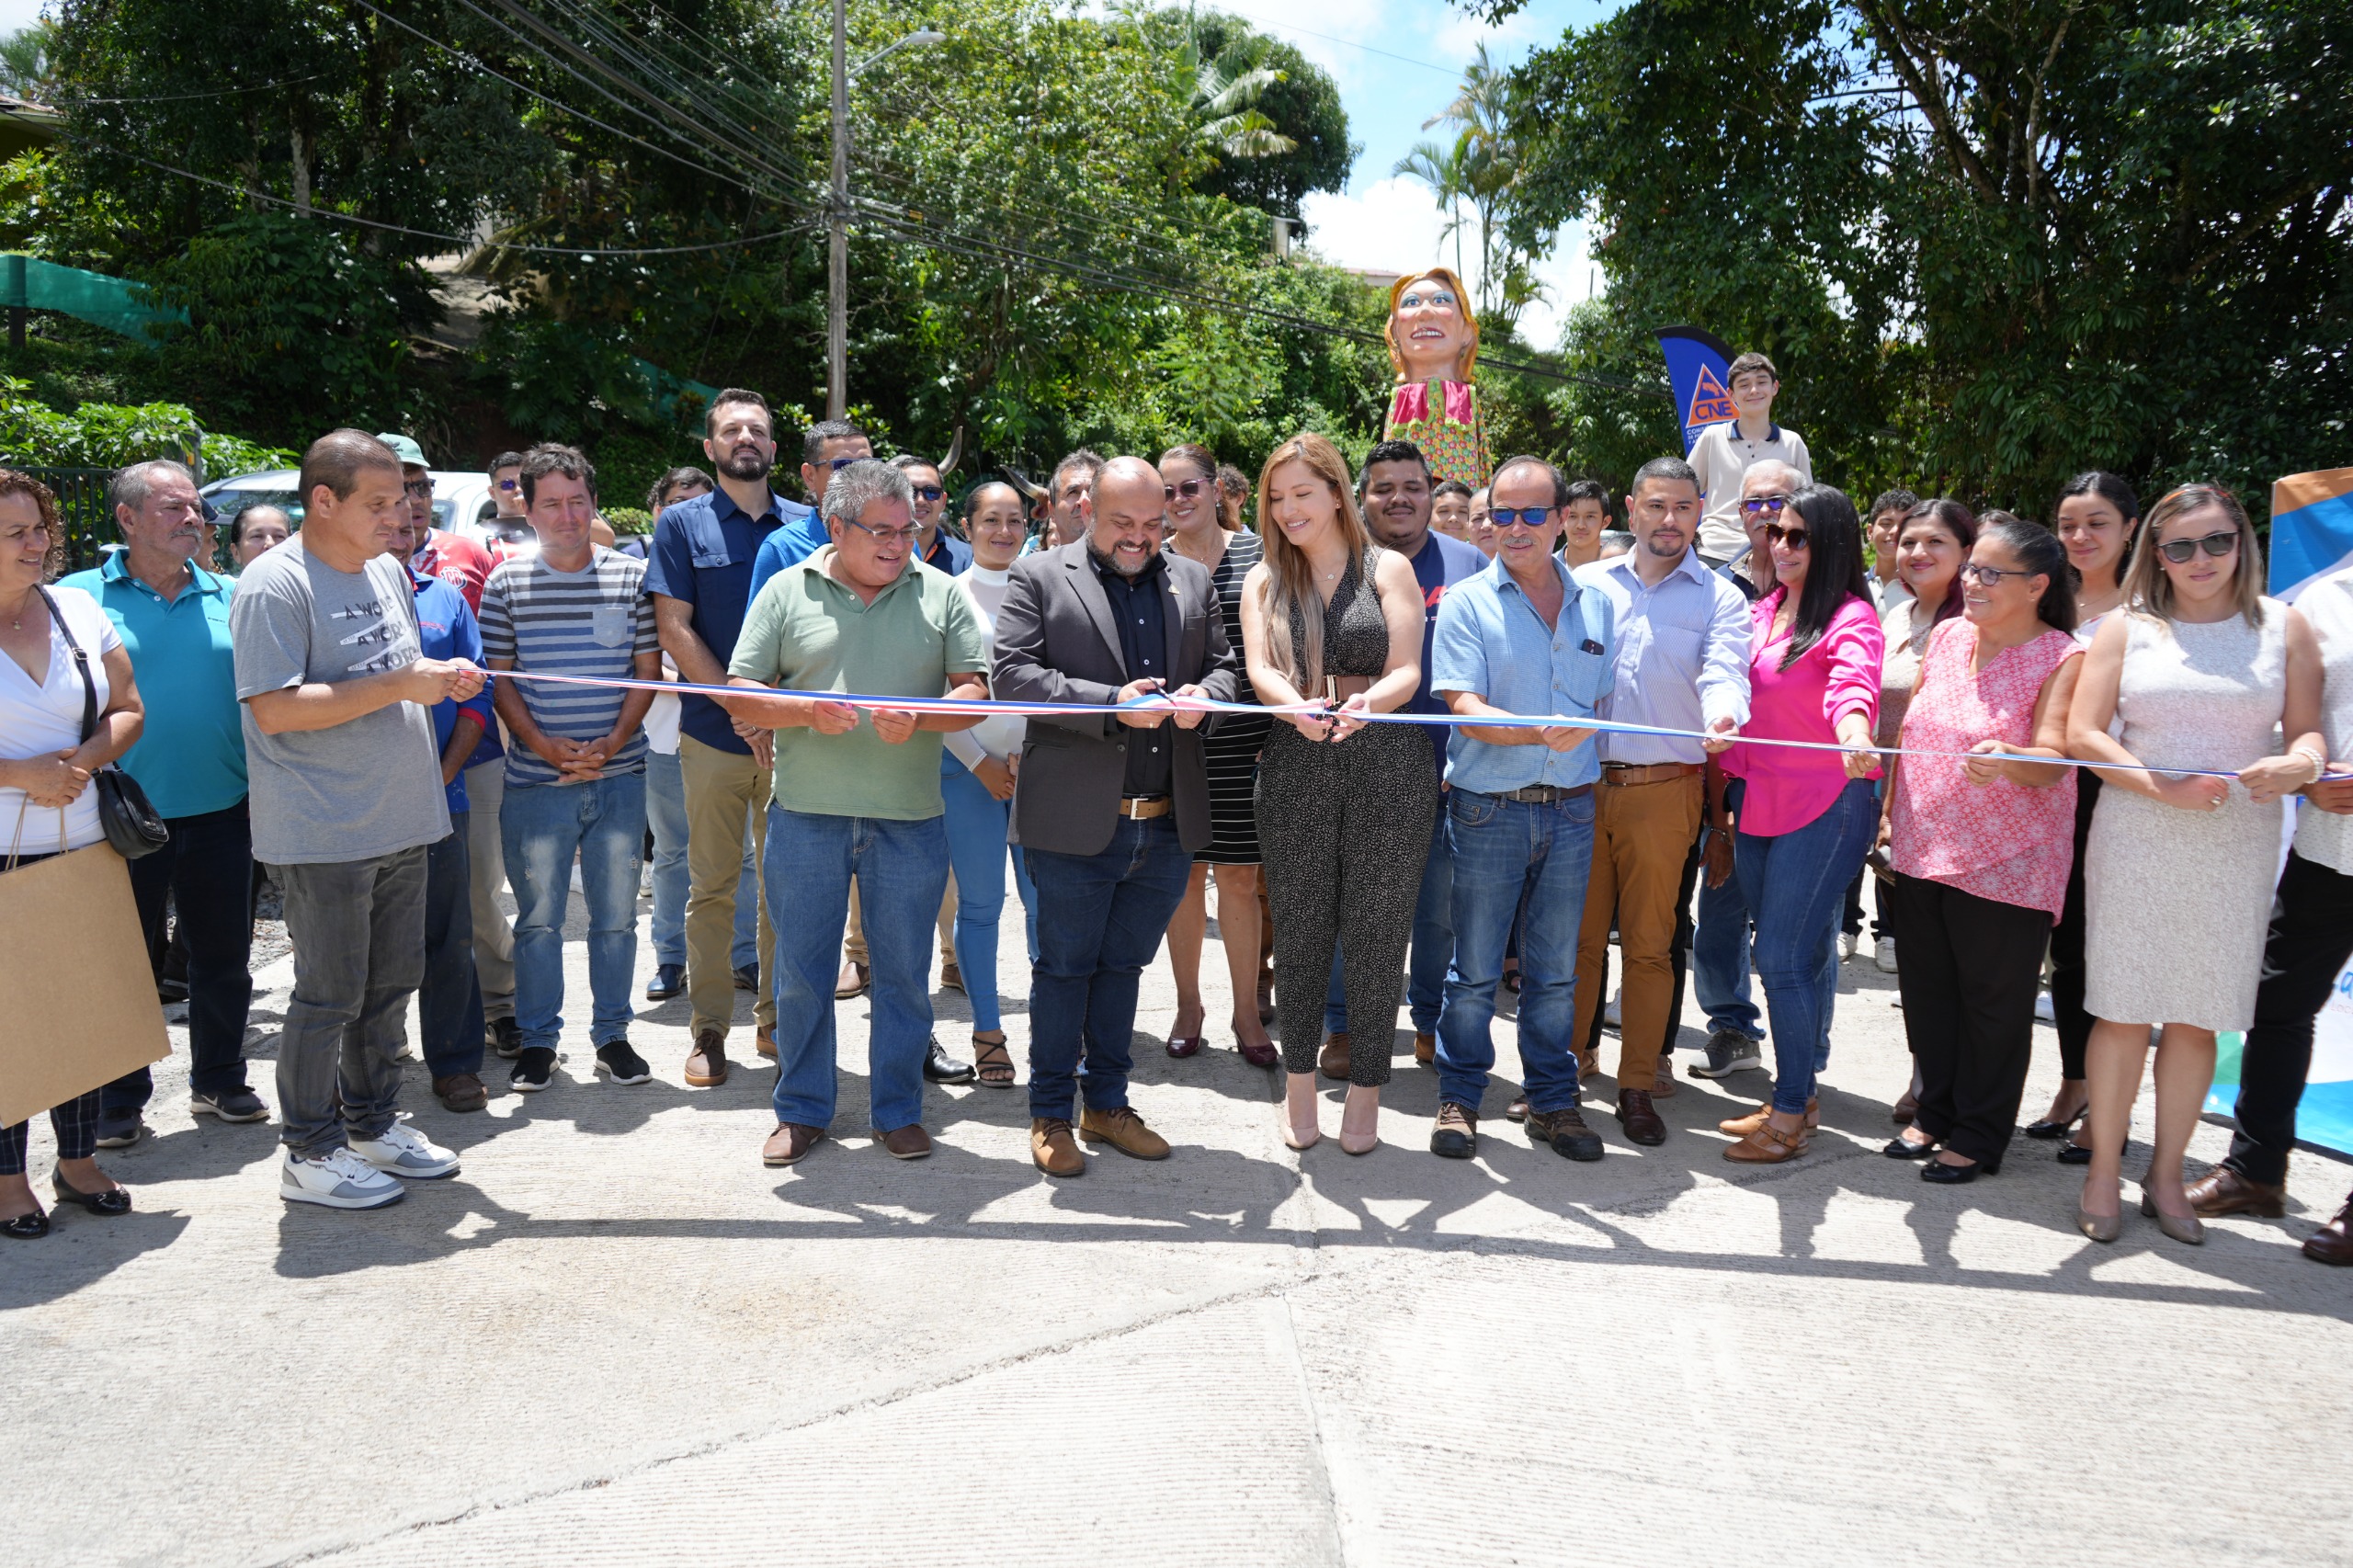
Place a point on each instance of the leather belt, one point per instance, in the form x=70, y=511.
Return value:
x=1623, y=774
x=1143, y=808
x=1339, y=688
x=1545, y=794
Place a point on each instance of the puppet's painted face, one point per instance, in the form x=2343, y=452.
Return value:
x=1430, y=329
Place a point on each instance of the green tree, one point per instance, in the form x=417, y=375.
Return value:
x=1302, y=104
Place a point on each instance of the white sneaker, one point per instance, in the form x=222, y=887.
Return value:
x=1610, y=1018
x=1847, y=942
x=2043, y=1009
x=339, y=1180
x=402, y=1152
x=1884, y=955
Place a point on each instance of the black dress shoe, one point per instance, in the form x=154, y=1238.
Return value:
x=2072, y=1153
x=1903, y=1149
x=669, y=979
x=2046, y=1128
x=26, y=1227
x=113, y=1204
x=938, y=1067
x=1943, y=1175
x=748, y=976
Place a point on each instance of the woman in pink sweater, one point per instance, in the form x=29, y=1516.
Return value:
x=1809, y=816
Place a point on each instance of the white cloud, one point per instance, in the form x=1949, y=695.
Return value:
x=1393, y=226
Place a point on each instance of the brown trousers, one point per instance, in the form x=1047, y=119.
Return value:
x=1641, y=834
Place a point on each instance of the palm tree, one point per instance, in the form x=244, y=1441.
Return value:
x=1482, y=168
x=1223, y=90
x=1440, y=166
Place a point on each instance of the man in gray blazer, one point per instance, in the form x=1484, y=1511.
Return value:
x=1107, y=808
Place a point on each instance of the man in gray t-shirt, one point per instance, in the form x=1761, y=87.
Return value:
x=347, y=795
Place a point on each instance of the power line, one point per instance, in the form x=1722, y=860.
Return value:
x=177, y=97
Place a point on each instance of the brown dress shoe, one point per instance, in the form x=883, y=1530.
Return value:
x=2332, y=1243
x=706, y=1063
x=1642, y=1123
x=1517, y=1110
x=765, y=1043
x=908, y=1143
x=854, y=979
x=2225, y=1191
x=460, y=1091
x=1425, y=1048
x=1769, y=1145
x=1742, y=1126
x=1124, y=1130
x=1053, y=1148
x=790, y=1142
x=1333, y=1058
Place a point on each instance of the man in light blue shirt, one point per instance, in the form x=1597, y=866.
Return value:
x=1682, y=664
x=1521, y=637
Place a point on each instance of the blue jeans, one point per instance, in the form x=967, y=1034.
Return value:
x=1100, y=918
x=1433, y=948
x=541, y=826
x=1505, y=852
x=1720, y=949
x=665, y=813
x=977, y=824
x=900, y=868
x=448, y=1002
x=1796, y=882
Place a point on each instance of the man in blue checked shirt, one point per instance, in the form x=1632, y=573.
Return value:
x=1519, y=638
x=448, y=1002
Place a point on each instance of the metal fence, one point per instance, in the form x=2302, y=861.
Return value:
x=82, y=505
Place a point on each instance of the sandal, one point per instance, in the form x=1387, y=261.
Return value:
x=993, y=1062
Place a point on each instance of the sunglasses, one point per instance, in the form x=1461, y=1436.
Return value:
x=2215, y=544
x=928, y=493
x=510, y=484
x=418, y=488
x=1990, y=576
x=1793, y=537
x=1763, y=505
x=1519, y=517
x=835, y=465
x=1184, y=489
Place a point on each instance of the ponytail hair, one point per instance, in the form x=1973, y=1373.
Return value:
x=2039, y=551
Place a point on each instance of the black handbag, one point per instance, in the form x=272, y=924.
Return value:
x=124, y=812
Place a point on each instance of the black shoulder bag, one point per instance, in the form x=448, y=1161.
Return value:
x=131, y=823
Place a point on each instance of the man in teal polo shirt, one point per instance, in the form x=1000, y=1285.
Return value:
x=173, y=617
x=856, y=793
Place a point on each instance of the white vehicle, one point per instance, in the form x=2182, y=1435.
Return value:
x=460, y=501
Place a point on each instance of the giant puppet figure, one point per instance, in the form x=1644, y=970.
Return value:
x=1434, y=342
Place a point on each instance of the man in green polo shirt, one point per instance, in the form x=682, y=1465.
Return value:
x=856, y=793
x=173, y=617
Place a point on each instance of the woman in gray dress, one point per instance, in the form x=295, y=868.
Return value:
x=2201, y=669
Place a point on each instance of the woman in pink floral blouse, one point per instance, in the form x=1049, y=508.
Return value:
x=1982, y=844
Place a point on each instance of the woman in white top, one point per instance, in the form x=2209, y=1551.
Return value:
x=2201, y=669
x=976, y=782
x=2099, y=516
x=47, y=803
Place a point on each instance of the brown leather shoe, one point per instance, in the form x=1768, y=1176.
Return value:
x=1566, y=1131
x=1742, y=1126
x=908, y=1143
x=765, y=1043
x=2332, y=1243
x=1124, y=1130
x=1769, y=1145
x=2225, y=1191
x=1054, y=1150
x=1425, y=1048
x=1333, y=1058
x=706, y=1062
x=950, y=977
x=790, y=1142
x=855, y=978
x=1518, y=1109
x=460, y=1091
x=1642, y=1123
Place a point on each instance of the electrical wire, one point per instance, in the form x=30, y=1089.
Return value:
x=179, y=97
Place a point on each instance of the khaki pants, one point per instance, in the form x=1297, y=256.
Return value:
x=1641, y=834
x=486, y=868
x=722, y=788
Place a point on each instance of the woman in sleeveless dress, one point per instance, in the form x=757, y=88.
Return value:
x=1344, y=807
x=2201, y=669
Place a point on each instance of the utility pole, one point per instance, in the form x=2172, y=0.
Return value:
x=837, y=243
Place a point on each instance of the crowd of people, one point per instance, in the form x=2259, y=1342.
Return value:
x=1418, y=738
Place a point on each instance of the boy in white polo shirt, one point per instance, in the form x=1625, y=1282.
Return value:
x=1724, y=452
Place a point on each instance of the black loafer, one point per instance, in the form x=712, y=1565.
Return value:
x=1902, y=1149
x=938, y=1067
x=1943, y=1175
x=26, y=1228
x=669, y=981
x=2075, y=1154
x=113, y=1204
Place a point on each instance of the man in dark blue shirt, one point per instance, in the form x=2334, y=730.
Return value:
x=699, y=573
x=940, y=549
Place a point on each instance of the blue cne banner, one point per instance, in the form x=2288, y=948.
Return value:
x=1699, y=368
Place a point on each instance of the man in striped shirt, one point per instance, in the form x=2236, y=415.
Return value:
x=576, y=773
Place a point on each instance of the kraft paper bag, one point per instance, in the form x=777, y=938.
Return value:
x=78, y=1008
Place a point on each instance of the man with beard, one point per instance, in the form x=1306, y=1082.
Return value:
x=1109, y=809
x=701, y=578
x=934, y=546
x=1397, y=509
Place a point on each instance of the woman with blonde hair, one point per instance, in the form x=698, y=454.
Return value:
x=1344, y=807
x=1202, y=527
x=2200, y=668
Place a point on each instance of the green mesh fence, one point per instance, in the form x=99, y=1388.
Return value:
x=34, y=284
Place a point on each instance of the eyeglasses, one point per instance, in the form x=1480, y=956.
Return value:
x=418, y=488
x=1793, y=537
x=1763, y=505
x=928, y=493
x=1519, y=517
x=2215, y=544
x=1990, y=576
x=1413, y=298
x=1185, y=488
x=886, y=535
